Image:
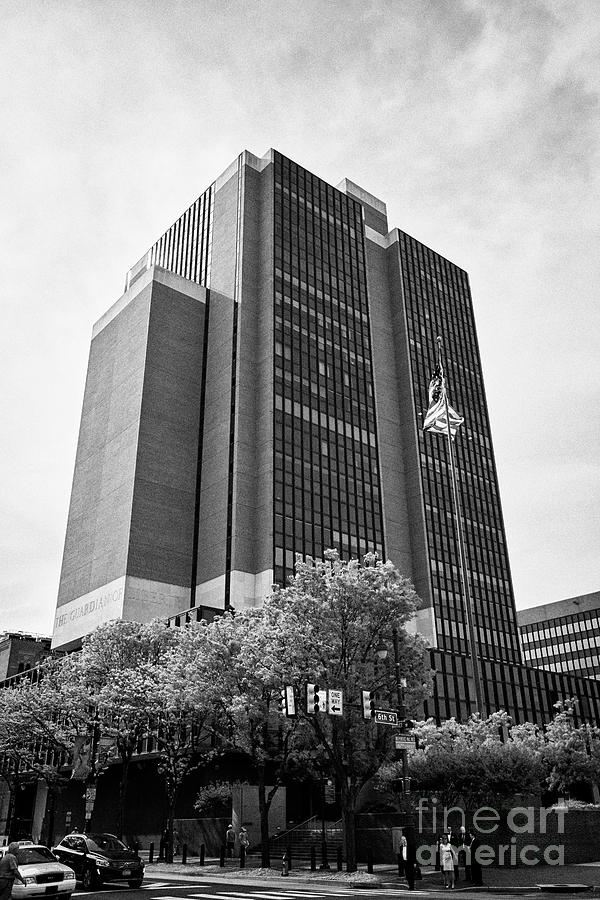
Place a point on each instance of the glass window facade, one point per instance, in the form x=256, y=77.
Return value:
x=326, y=474
x=438, y=302
x=186, y=247
x=569, y=643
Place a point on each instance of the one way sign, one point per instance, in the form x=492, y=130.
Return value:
x=335, y=703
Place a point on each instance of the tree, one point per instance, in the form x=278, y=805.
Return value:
x=34, y=741
x=481, y=761
x=108, y=693
x=183, y=716
x=571, y=754
x=327, y=626
x=233, y=664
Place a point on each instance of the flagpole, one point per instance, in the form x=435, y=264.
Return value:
x=464, y=575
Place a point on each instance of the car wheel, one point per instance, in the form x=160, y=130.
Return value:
x=90, y=879
x=136, y=883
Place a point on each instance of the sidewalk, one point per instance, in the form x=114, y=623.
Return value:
x=520, y=880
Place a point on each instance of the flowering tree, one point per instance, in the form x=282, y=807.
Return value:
x=330, y=622
x=484, y=761
x=235, y=663
x=107, y=692
x=35, y=739
x=571, y=754
x=479, y=761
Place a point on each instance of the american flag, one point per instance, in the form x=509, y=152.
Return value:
x=435, y=420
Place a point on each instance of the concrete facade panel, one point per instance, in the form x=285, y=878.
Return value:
x=98, y=523
x=164, y=502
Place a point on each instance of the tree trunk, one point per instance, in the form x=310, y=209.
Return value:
x=11, y=825
x=47, y=830
x=348, y=827
x=263, y=807
x=125, y=763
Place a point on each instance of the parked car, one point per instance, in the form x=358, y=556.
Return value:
x=42, y=871
x=100, y=857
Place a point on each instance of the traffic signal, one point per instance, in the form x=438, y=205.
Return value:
x=286, y=701
x=314, y=701
x=368, y=704
x=281, y=701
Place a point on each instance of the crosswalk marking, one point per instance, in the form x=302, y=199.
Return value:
x=264, y=895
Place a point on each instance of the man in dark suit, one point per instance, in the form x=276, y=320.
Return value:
x=411, y=860
x=464, y=850
x=476, y=873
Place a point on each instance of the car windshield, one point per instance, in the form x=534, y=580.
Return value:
x=103, y=842
x=27, y=856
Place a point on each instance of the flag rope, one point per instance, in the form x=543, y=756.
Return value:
x=450, y=430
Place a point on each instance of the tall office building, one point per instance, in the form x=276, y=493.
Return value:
x=258, y=392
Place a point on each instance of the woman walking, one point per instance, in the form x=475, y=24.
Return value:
x=9, y=871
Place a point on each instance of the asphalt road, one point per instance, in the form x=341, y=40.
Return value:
x=221, y=890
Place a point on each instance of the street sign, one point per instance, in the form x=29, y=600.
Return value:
x=386, y=717
x=335, y=703
x=405, y=741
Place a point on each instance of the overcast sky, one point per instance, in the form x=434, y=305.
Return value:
x=476, y=121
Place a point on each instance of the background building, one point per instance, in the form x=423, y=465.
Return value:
x=563, y=636
x=20, y=651
x=257, y=392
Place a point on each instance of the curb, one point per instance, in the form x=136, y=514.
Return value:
x=278, y=880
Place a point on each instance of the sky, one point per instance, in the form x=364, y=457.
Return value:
x=476, y=121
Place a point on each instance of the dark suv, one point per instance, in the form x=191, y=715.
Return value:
x=100, y=857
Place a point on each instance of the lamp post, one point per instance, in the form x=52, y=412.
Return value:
x=400, y=684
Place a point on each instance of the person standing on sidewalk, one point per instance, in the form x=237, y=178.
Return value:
x=447, y=861
x=244, y=840
x=9, y=871
x=410, y=860
x=464, y=851
x=230, y=841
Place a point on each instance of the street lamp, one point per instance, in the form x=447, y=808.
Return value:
x=382, y=652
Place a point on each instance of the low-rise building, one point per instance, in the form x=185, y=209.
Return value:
x=563, y=636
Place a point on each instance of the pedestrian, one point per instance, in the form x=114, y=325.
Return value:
x=476, y=874
x=230, y=841
x=464, y=851
x=244, y=841
x=455, y=840
x=9, y=871
x=410, y=861
x=448, y=861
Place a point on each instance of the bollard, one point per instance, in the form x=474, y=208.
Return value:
x=151, y=853
x=313, y=859
x=161, y=849
x=324, y=860
x=222, y=857
x=242, y=857
x=285, y=868
x=202, y=853
x=370, y=860
x=339, y=859
x=184, y=854
x=288, y=853
x=400, y=865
